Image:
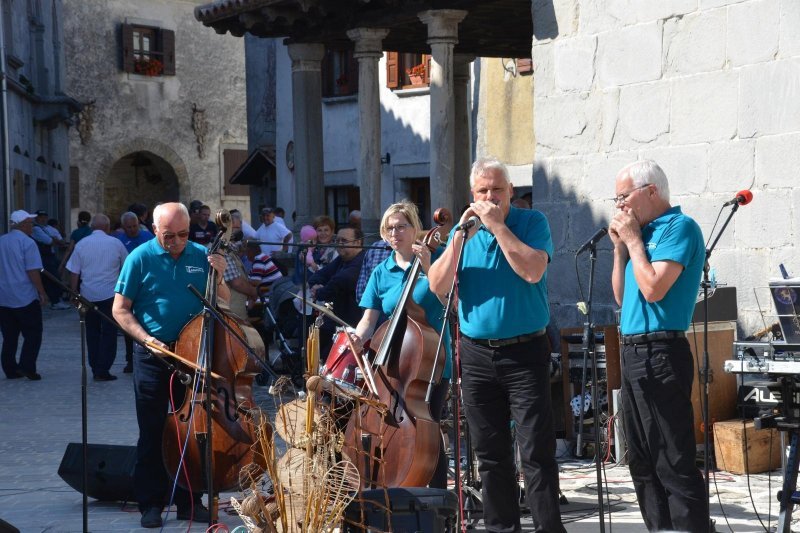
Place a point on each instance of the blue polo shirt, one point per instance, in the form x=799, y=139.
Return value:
x=494, y=302
x=80, y=233
x=383, y=292
x=131, y=243
x=671, y=237
x=157, y=285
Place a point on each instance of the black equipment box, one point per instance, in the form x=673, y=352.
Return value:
x=411, y=510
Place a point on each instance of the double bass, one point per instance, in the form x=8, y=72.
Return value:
x=399, y=446
x=226, y=387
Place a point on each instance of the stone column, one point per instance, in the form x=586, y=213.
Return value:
x=463, y=134
x=442, y=37
x=309, y=183
x=368, y=51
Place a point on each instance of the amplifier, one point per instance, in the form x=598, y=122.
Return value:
x=752, y=349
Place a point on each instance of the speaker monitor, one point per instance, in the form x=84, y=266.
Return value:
x=5, y=527
x=109, y=470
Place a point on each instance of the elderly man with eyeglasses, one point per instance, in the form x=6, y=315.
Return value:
x=153, y=303
x=336, y=283
x=658, y=260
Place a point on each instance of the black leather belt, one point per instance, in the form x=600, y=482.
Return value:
x=644, y=338
x=498, y=343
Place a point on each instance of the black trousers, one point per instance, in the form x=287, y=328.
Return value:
x=499, y=385
x=658, y=420
x=26, y=320
x=101, y=339
x=151, y=386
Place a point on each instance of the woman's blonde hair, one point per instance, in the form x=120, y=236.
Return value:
x=405, y=208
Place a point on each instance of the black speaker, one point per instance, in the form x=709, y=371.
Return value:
x=110, y=470
x=5, y=527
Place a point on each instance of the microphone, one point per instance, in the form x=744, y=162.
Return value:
x=592, y=242
x=742, y=198
x=471, y=221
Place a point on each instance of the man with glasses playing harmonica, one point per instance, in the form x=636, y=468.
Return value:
x=658, y=259
x=153, y=304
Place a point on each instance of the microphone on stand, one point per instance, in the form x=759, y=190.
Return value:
x=597, y=237
x=471, y=221
x=742, y=198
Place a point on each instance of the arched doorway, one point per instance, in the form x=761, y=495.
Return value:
x=140, y=177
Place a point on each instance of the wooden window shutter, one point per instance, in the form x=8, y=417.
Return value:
x=168, y=49
x=352, y=73
x=392, y=70
x=74, y=188
x=232, y=160
x=327, y=74
x=127, y=48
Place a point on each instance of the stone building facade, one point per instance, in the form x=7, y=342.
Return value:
x=36, y=112
x=707, y=88
x=164, y=116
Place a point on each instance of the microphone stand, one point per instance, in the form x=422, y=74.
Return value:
x=706, y=284
x=84, y=308
x=589, y=351
x=455, y=395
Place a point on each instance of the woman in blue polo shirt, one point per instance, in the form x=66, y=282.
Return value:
x=399, y=227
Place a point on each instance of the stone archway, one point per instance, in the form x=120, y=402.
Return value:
x=141, y=170
x=141, y=177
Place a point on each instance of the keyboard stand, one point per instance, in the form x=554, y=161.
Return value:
x=790, y=423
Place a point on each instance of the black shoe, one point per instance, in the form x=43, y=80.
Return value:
x=33, y=376
x=15, y=375
x=201, y=514
x=105, y=377
x=151, y=517
x=128, y=369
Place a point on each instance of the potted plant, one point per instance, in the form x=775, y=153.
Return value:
x=148, y=66
x=416, y=74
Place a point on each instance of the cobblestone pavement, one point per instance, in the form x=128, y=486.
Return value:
x=39, y=419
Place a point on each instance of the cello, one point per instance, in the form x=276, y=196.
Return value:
x=218, y=443
x=398, y=446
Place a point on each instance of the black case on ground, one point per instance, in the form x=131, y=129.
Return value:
x=412, y=510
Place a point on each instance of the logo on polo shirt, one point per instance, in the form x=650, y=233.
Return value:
x=194, y=270
x=651, y=246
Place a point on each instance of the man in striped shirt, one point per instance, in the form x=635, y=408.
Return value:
x=264, y=270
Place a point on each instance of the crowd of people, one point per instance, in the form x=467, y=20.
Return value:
x=502, y=349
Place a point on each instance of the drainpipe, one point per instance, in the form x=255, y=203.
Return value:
x=4, y=127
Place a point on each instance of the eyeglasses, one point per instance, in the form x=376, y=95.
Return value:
x=183, y=235
x=621, y=198
x=399, y=228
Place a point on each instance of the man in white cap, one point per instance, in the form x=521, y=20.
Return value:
x=21, y=298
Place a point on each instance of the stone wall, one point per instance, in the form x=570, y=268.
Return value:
x=132, y=112
x=707, y=88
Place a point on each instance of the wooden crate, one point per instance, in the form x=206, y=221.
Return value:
x=729, y=447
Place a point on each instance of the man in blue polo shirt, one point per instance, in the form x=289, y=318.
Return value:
x=153, y=304
x=658, y=259
x=505, y=353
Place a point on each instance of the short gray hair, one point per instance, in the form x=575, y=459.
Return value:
x=483, y=165
x=127, y=215
x=100, y=221
x=647, y=172
x=161, y=208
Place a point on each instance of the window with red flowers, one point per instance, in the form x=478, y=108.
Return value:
x=407, y=71
x=148, y=50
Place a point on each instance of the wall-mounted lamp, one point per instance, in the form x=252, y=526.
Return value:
x=387, y=159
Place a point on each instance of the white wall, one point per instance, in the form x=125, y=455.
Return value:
x=710, y=89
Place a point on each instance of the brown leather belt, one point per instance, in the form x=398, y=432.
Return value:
x=499, y=343
x=644, y=338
